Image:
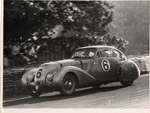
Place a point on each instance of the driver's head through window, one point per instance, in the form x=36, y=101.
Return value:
x=91, y=54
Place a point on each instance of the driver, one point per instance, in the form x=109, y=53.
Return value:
x=91, y=54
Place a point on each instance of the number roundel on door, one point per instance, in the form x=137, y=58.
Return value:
x=39, y=73
x=105, y=65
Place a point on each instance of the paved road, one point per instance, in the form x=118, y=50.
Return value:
x=108, y=96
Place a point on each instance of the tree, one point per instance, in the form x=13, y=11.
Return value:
x=25, y=18
x=87, y=21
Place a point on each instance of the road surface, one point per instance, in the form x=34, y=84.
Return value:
x=107, y=96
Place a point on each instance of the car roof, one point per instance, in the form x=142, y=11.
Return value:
x=97, y=47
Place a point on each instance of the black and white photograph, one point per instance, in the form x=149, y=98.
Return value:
x=87, y=54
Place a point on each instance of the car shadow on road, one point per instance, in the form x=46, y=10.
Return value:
x=57, y=97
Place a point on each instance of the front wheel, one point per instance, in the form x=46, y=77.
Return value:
x=69, y=84
x=35, y=92
x=127, y=83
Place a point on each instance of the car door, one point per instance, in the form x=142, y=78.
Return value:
x=104, y=65
x=87, y=61
x=85, y=57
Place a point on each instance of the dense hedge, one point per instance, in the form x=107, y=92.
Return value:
x=12, y=83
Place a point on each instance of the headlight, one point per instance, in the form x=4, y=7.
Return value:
x=49, y=77
x=30, y=78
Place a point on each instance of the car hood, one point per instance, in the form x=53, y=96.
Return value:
x=62, y=63
x=49, y=67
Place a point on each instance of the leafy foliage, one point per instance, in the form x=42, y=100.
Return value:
x=89, y=20
x=24, y=18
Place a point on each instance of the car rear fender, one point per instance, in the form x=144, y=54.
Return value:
x=83, y=78
x=128, y=71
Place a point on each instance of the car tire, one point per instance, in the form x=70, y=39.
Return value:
x=35, y=93
x=69, y=84
x=126, y=83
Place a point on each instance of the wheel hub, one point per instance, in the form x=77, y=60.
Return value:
x=35, y=89
x=68, y=85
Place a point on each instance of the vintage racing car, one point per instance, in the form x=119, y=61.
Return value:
x=88, y=66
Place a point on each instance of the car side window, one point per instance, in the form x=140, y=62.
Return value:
x=117, y=54
x=110, y=53
x=104, y=53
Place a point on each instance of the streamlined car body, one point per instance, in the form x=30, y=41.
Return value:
x=88, y=66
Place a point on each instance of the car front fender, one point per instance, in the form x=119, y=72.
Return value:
x=83, y=77
x=28, y=77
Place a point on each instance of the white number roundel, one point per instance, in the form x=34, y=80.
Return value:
x=105, y=65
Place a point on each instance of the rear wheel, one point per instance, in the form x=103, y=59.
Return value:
x=69, y=84
x=127, y=83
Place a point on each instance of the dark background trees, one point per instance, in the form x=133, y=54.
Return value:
x=63, y=25
x=24, y=18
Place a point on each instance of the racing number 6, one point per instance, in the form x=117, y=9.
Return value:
x=105, y=65
x=39, y=73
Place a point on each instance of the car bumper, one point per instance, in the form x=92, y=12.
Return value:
x=45, y=87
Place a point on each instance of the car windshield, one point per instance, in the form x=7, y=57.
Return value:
x=84, y=53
